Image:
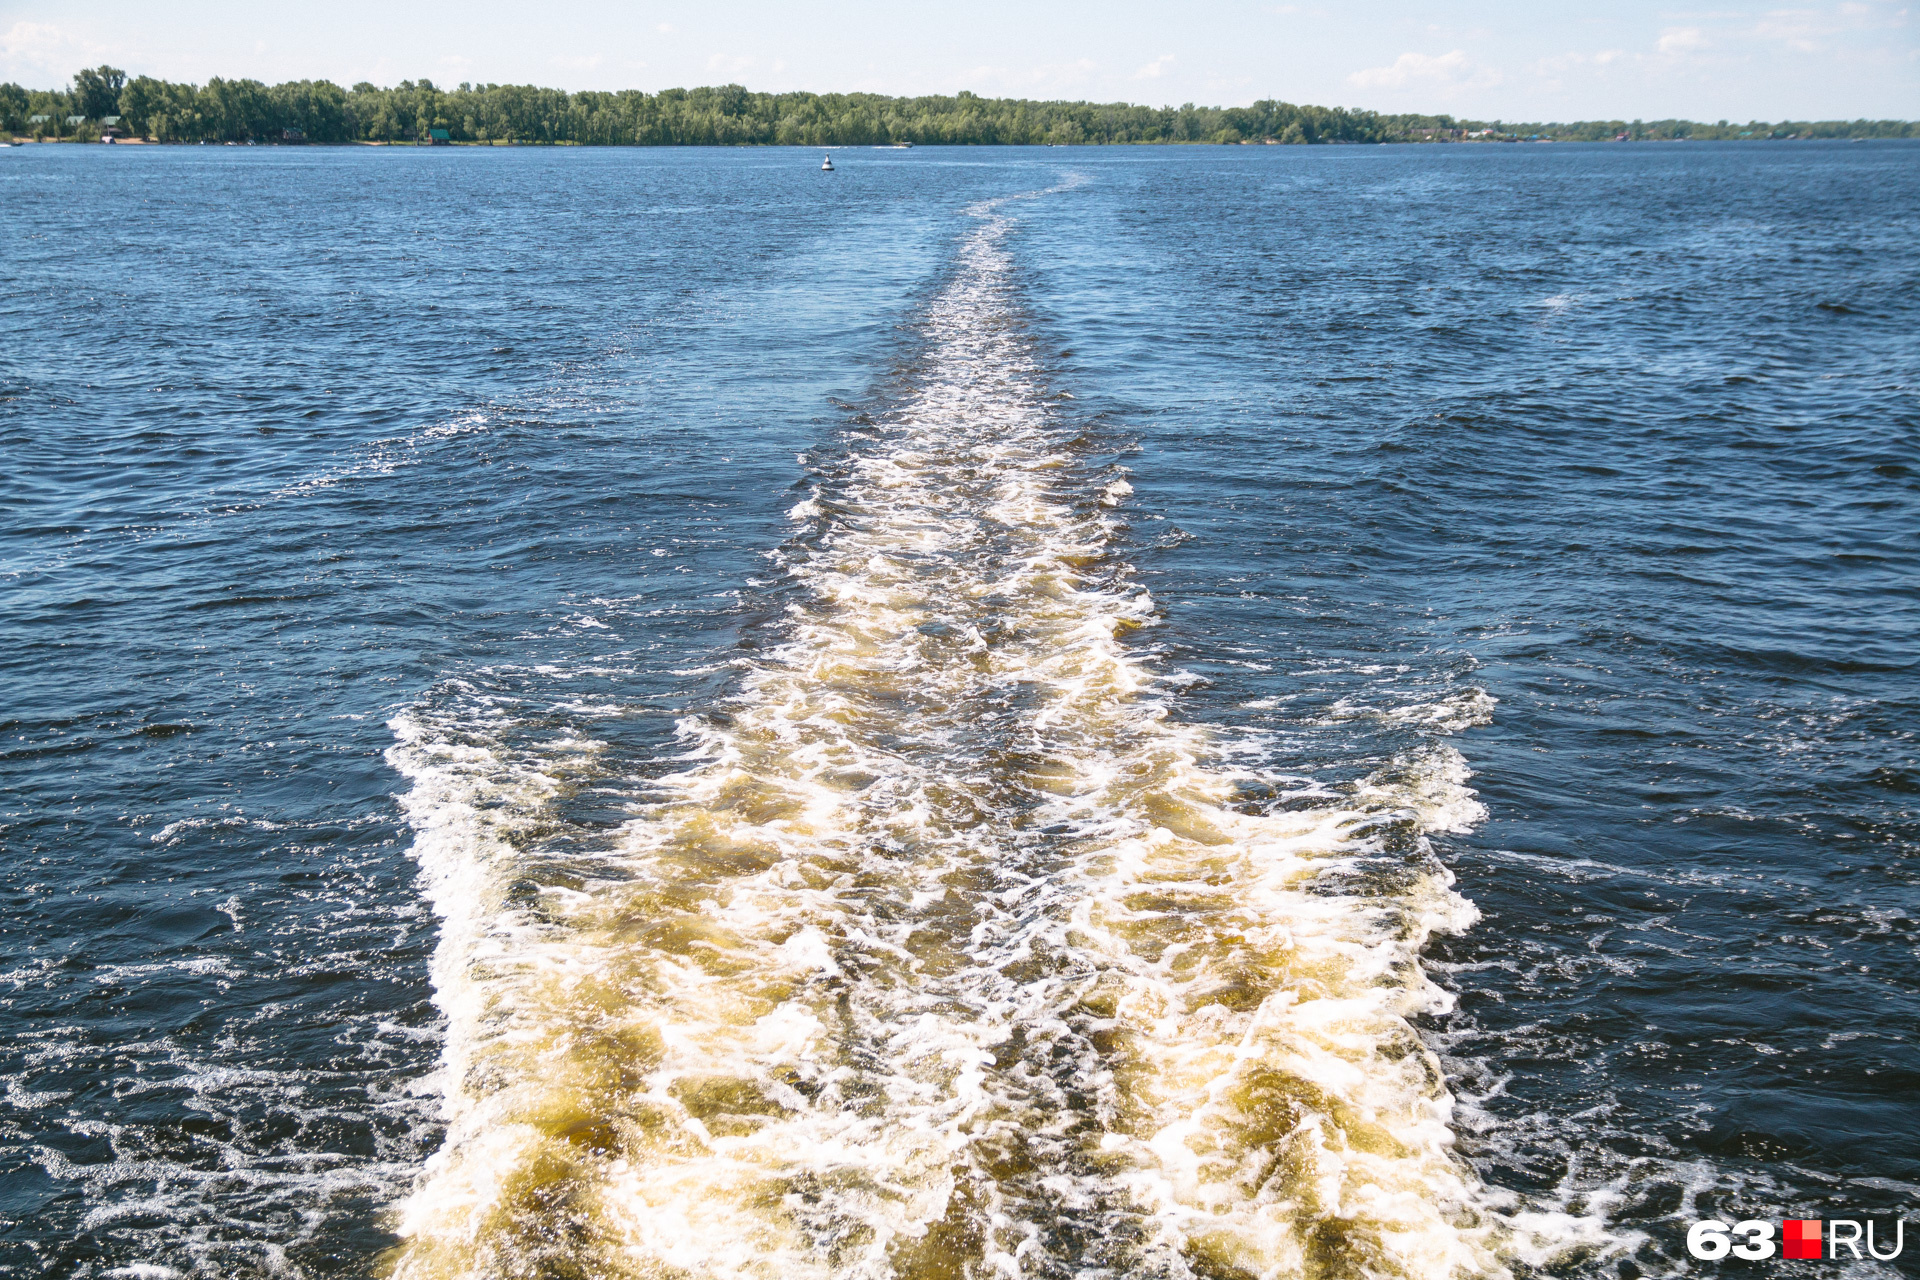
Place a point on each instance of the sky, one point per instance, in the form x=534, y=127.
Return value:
x=1490, y=59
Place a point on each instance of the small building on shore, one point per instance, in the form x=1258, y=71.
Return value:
x=439, y=138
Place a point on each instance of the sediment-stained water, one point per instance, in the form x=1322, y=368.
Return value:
x=987, y=714
x=946, y=950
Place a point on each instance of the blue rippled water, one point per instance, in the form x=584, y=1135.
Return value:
x=415, y=559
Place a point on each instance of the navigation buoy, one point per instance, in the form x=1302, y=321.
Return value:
x=826, y=164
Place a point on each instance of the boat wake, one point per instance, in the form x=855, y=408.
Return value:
x=949, y=951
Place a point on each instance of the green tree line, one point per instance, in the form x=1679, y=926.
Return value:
x=725, y=115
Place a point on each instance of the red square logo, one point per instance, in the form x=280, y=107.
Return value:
x=1800, y=1238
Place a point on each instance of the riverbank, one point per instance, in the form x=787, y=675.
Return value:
x=317, y=111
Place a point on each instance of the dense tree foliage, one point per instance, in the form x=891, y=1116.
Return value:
x=96, y=93
x=318, y=111
x=1448, y=129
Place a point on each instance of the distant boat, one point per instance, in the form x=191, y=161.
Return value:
x=826, y=164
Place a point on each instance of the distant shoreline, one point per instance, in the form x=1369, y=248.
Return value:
x=104, y=100
x=501, y=143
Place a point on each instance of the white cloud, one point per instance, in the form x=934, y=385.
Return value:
x=1554, y=68
x=731, y=67
x=28, y=38
x=42, y=54
x=1809, y=30
x=1046, y=79
x=1407, y=68
x=1795, y=32
x=1449, y=70
x=1155, y=69
x=1677, y=41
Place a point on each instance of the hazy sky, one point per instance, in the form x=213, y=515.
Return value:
x=1489, y=58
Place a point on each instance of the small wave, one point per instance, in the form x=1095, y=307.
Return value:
x=1455, y=712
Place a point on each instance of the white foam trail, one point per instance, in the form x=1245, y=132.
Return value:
x=946, y=954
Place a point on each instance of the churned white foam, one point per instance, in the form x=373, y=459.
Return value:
x=1431, y=783
x=947, y=951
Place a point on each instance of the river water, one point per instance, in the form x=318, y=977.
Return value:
x=1219, y=712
